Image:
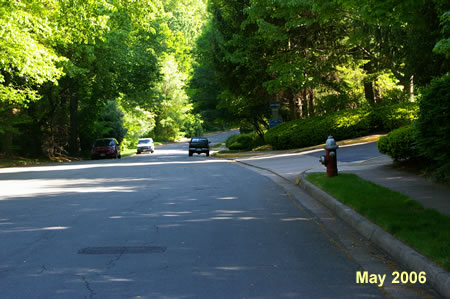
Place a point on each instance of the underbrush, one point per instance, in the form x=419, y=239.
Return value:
x=244, y=142
x=341, y=125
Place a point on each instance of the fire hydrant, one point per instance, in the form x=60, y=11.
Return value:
x=330, y=159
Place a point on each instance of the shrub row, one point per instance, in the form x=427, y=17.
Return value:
x=400, y=144
x=244, y=141
x=341, y=125
x=428, y=138
x=433, y=126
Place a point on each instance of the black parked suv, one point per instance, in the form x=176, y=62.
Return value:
x=199, y=145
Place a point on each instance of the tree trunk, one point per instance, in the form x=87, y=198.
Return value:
x=292, y=108
x=305, y=98
x=7, y=136
x=411, y=89
x=312, y=102
x=7, y=143
x=368, y=85
x=298, y=96
x=74, y=146
x=368, y=93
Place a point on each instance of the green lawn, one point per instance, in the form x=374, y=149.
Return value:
x=426, y=230
x=128, y=152
x=218, y=145
x=231, y=151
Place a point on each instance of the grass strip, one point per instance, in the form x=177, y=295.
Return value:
x=426, y=230
x=128, y=152
x=218, y=145
x=231, y=151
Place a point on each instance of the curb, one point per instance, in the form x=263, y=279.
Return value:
x=438, y=278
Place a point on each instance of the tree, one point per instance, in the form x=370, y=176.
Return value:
x=172, y=105
x=443, y=46
x=63, y=61
x=110, y=122
x=27, y=61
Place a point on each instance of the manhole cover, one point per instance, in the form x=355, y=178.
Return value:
x=122, y=250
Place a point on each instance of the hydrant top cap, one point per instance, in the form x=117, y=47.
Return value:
x=331, y=143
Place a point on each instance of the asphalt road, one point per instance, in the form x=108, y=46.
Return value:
x=163, y=225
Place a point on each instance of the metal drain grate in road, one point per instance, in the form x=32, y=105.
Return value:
x=122, y=250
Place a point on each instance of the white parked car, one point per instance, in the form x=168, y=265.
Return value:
x=145, y=145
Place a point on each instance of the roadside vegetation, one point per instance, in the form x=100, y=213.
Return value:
x=344, y=124
x=128, y=152
x=426, y=141
x=244, y=142
x=75, y=71
x=22, y=161
x=426, y=230
x=336, y=67
x=217, y=145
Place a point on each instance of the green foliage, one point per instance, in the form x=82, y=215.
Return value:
x=317, y=57
x=174, y=113
x=434, y=126
x=62, y=60
x=344, y=124
x=388, y=118
x=335, y=102
x=246, y=142
x=245, y=127
x=400, y=144
x=193, y=125
x=26, y=57
x=139, y=123
x=207, y=64
x=230, y=140
x=443, y=46
x=110, y=122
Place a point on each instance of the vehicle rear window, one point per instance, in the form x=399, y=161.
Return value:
x=104, y=142
x=198, y=139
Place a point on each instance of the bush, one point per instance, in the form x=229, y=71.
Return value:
x=245, y=128
x=244, y=141
x=434, y=126
x=342, y=125
x=400, y=144
x=230, y=140
x=388, y=118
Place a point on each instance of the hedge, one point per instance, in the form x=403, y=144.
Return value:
x=400, y=144
x=344, y=124
x=244, y=141
x=433, y=126
x=230, y=140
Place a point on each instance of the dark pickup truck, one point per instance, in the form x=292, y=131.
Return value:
x=199, y=145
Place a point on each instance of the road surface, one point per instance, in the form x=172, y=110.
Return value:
x=163, y=225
